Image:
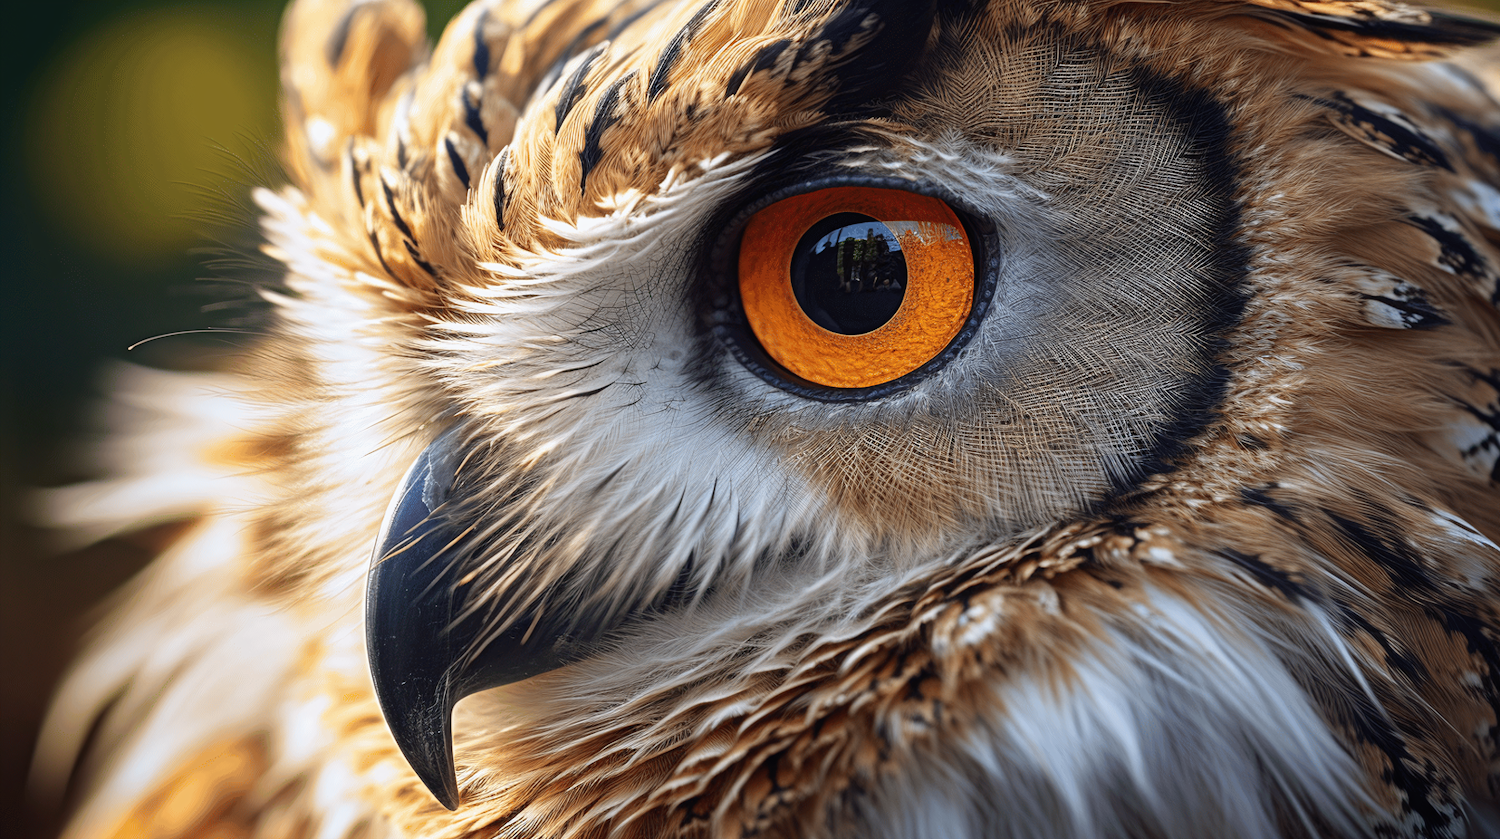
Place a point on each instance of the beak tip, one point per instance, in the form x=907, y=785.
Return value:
x=432, y=760
x=443, y=786
x=423, y=733
x=437, y=775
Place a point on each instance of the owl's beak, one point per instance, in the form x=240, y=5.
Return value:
x=428, y=647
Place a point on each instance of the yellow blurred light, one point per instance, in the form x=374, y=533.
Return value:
x=125, y=130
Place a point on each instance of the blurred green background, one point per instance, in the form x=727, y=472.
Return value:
x=133, y=133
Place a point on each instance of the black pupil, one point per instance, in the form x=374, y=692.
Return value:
x=848, y=274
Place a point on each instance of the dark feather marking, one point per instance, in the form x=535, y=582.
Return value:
x=338, y=39
x=835, y=33
x=847, y=23
x=390, y=200
x=416, y=257
x=1369, y=723
x=474, y=119
x=359, y=190
x=1443, y=30
x=1457, y=253
x=1479, y=641
x=1382, y=543
x=1486, y=140
x=764, y=59
x=1380, y=539
x=1287, y=585
x=1197, y=406
x=604, y=117
x=459, y=168
x=673, y=52
x=1491, y=378
x=1458, y=30
x=1262, y=498
x=1438, y=601
x=695, y=811
x=901, y=31
x=1400, y=661
x=1416, y=313
x=406, y=232
x=500, y=187
x=1428, y=788
x=1488, y=417
x=379, y=256
x=572, y=89
x=481, y=48
x=1388, y=134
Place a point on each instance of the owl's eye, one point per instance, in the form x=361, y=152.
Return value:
x=853, y=286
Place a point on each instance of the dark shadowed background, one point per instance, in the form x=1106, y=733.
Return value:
x=132, y=133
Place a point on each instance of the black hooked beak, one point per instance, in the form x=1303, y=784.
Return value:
x=422, y=641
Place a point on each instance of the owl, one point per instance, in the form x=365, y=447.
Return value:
x=831, y=418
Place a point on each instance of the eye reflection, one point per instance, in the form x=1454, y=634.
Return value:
x=848, y=274
x=851, y=286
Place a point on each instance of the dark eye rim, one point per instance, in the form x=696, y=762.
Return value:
x=731, y=329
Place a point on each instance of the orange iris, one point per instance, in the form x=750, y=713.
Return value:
x=851, y=287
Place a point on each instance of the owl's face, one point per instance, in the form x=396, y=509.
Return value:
x=669, y=379
x=892, y=418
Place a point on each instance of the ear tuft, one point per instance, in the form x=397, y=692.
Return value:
x=339, y=59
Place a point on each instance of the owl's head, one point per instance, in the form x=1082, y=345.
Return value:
x=720, y=326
